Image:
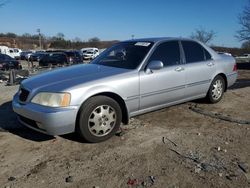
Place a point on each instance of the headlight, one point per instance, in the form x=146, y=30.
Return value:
x=52, y=99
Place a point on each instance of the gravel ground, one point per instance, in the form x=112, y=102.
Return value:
x=173, y=147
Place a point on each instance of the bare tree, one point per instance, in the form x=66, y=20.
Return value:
x=76, y=39
x=94, y=39
x=246, y=45
x=60, y=36
x=203, y=35
x=244, y=20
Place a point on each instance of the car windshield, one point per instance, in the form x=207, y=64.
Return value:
x=127, y=55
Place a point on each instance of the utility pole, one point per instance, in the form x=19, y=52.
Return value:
x=40, y=38
x=132, y=36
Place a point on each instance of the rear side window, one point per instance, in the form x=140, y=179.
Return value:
x=194, y=52
x=168, y=53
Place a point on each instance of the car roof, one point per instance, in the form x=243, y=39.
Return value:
x=163, y=39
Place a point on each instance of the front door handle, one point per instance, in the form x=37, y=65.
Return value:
x=179, y=69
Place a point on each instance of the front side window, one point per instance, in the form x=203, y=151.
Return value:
x=168, y=53
x=194, y=52
x=127, y=55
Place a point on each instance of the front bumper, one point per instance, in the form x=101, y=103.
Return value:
x=52, y=121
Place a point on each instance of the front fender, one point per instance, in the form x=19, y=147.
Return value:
x=97, y=90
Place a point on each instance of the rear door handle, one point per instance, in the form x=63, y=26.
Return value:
x=210, y=64
x=179, y=69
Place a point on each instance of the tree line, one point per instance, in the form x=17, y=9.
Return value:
x=29, y=41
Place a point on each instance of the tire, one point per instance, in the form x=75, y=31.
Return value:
x=216, y=90
x=92, y=126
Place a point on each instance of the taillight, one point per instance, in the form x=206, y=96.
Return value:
x=235, y=67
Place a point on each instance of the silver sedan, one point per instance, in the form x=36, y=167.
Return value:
x=128, y=79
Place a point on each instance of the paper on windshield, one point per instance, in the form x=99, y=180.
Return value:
x=146, y=44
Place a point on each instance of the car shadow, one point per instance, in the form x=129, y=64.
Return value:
x=9, y=123
x=74, y=137
x=240, y=83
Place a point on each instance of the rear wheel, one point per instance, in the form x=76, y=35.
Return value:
x=99, y=119
x=216, y=89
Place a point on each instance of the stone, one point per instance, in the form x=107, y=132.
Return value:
x=69, y=179
x=11, y=178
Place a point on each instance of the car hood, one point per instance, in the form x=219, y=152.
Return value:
x=70, y=76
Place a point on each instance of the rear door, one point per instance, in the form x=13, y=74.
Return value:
x=167, y=84
x=199, y=69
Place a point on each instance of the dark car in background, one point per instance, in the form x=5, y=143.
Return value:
x=7, y=62
x=57, y=58
x=24, y=55
x=73, y=56
x=37, y=56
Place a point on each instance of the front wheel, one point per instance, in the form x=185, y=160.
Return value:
x=216, y=89
x=99, y=119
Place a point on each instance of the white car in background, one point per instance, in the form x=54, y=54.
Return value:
x=12, y=52
x=16, y=52
x=89, y=53
x=245, y=58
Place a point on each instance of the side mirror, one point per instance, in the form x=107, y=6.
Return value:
x=154, y=65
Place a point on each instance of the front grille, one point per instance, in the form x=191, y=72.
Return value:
x=23, y=95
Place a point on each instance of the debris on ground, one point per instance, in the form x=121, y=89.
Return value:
x=218, y=148
x=243, y=167
x=16, y=76
x=216, y=115
x=11, y=178
x=197, y=169
x=133, y=182
x=120, y=133
x=69, y=179
x=146, y=182
x=165, y=138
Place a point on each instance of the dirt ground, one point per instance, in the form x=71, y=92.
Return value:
x=170, y=148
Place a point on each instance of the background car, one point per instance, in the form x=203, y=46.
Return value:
x=90, y=54
x=24, y=55
x=37, y=56
x=73, y=57
x=7, y=62
x=50, y=59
